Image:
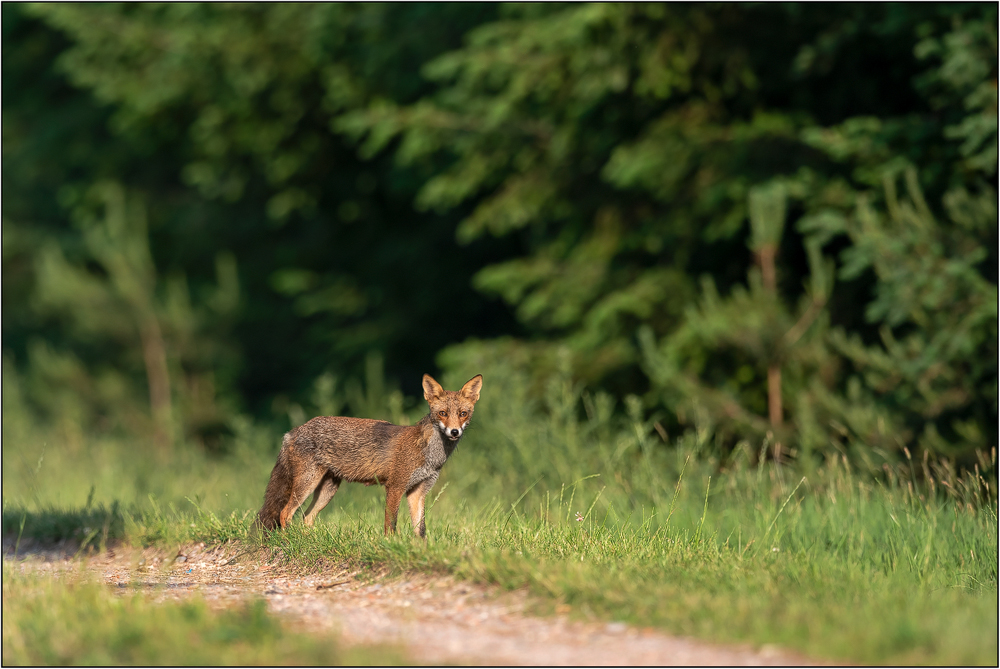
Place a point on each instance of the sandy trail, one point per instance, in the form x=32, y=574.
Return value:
x=433, y=619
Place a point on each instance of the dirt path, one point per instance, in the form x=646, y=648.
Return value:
x=434, y=619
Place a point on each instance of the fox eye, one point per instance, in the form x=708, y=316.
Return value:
x=442, y=413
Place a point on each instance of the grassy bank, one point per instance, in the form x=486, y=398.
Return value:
x=50, y=623
x=596, y=516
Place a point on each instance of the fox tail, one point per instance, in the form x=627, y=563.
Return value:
x=279, y=489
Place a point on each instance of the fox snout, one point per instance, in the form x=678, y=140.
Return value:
x=453, y=432
x=451, y=427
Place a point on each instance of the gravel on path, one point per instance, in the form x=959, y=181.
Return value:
x=433, y=619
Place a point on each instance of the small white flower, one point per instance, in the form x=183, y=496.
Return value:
x=775, y=549
x=579, y=517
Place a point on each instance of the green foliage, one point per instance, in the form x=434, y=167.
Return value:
x=938, y=376
x=538, y=112
x=651, y=148
x=218, y=119
x=592, y=188
x=123, y=304
x=968, y=71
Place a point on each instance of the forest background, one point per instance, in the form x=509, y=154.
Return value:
x=745, y=223
x=729, y=272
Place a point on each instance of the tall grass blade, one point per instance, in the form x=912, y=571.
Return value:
x=788, y=499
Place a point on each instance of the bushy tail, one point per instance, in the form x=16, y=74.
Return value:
x=279, y=489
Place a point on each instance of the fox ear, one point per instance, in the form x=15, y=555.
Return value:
x=431, y=387
x=471, y=389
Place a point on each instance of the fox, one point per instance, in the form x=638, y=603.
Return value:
x=327, y=450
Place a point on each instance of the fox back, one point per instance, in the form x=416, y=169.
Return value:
x=354, y=449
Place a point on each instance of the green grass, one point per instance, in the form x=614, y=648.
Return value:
x=597, y=515
x=47, y=623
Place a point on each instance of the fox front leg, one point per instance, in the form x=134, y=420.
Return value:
x=415, y=500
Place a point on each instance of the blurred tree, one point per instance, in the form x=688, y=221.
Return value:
x=933, y=390
x=767, y=222
x=622, y=143
x=124, y=302
x=617, y=143
x=117, y=241
x=709, y=370
x=935, y=370
x=220, y=116
x=577, y=171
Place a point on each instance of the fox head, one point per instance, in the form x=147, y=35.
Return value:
x=451, y=410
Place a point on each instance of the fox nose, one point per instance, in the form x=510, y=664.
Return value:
x=455, y=432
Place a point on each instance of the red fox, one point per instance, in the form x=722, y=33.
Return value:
x=316, y=456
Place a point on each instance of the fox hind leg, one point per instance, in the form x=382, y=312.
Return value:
x=304, y=481
x=324, y=492
x=393, y=496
